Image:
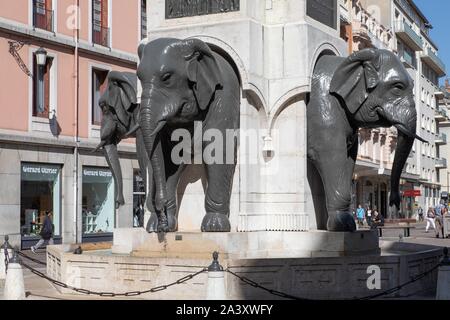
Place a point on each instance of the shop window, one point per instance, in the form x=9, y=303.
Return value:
x=99, y=85
x=40, y=191
x=43, y=14
x=42, y=110
x=100, y=30
x=98, y=209
x=138, y=198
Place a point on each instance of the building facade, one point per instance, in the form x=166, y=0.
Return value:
x=399, y=26
x=444, y=127
x=55, y=56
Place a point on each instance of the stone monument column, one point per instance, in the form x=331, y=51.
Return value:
x=274, y=46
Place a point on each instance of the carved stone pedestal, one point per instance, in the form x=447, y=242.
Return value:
x=245, y=245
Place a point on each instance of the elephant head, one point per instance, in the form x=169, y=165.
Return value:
x=119, y=109
x=376, y=91
x=179, y=79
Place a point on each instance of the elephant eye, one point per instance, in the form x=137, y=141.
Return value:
x=399, y=86
x=166, y=77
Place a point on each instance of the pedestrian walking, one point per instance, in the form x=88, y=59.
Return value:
x=420, y=214
x=360, y=214
x=438, y=221
x=430, y=219
x=46, y=232
x=369, y=216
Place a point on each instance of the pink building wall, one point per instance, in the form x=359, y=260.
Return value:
x=126, y=24
x=16, y=10
x=126, y=27
x=14, y=93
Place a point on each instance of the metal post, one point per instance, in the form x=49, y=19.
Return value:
x=216, y=280
x=14, y=284
x=5, y=253
x=40, y=90
x=443, y=283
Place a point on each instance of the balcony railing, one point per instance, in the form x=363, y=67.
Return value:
x=100, y=35
x=441, y=163
x=440, y=114
x=42, y=18
x=441, y=139
x=407, y=34
x=434, y=61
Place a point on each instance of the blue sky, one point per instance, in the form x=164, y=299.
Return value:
x=438, y=13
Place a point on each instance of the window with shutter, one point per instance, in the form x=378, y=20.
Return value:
x=43, y=14
x=99, y=85
x=100, y=30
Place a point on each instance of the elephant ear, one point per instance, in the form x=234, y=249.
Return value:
x=356, y=77
x=202, y=70
x=127, y=83
x=122, y=94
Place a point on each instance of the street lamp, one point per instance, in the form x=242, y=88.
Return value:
x=41, y=57
x=41, y=61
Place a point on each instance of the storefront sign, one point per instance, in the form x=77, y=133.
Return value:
x=40, y=172
x=412, y=193
x=96, y=175
x=191, y=8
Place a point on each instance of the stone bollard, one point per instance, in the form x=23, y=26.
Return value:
x=443, y=283
x=216, y=280
x=14, y=284
x=5, y=254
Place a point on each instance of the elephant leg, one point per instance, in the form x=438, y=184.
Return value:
x=172, y=208
x=218, y=196
x=318, y=196
x=336, y=170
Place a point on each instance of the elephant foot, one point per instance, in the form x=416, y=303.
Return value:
x=216, y=222
x=172, y=222
x=152, y=224
x=341, y=221
x=163, y=223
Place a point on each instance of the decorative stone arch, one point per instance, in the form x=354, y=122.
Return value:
x=300, y=93
x=285, y=101
x=249, y=90
x=325, y=48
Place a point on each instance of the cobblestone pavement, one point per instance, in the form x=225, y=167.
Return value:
x=40, y=289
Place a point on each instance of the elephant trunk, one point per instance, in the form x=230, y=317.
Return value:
x=406, y=136
x=112, y=157
x=150, y=129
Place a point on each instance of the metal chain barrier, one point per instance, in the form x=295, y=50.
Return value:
x=398, y=288
x=111, y=294
x=6, y=259
x=271, y=291
x=378, y=295
x=20, y=253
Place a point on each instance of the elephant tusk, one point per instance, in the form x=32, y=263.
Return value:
x=158, y=128
x=101, y=145
x=132, y=131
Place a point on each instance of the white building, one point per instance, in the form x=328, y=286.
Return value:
x=400, y=26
